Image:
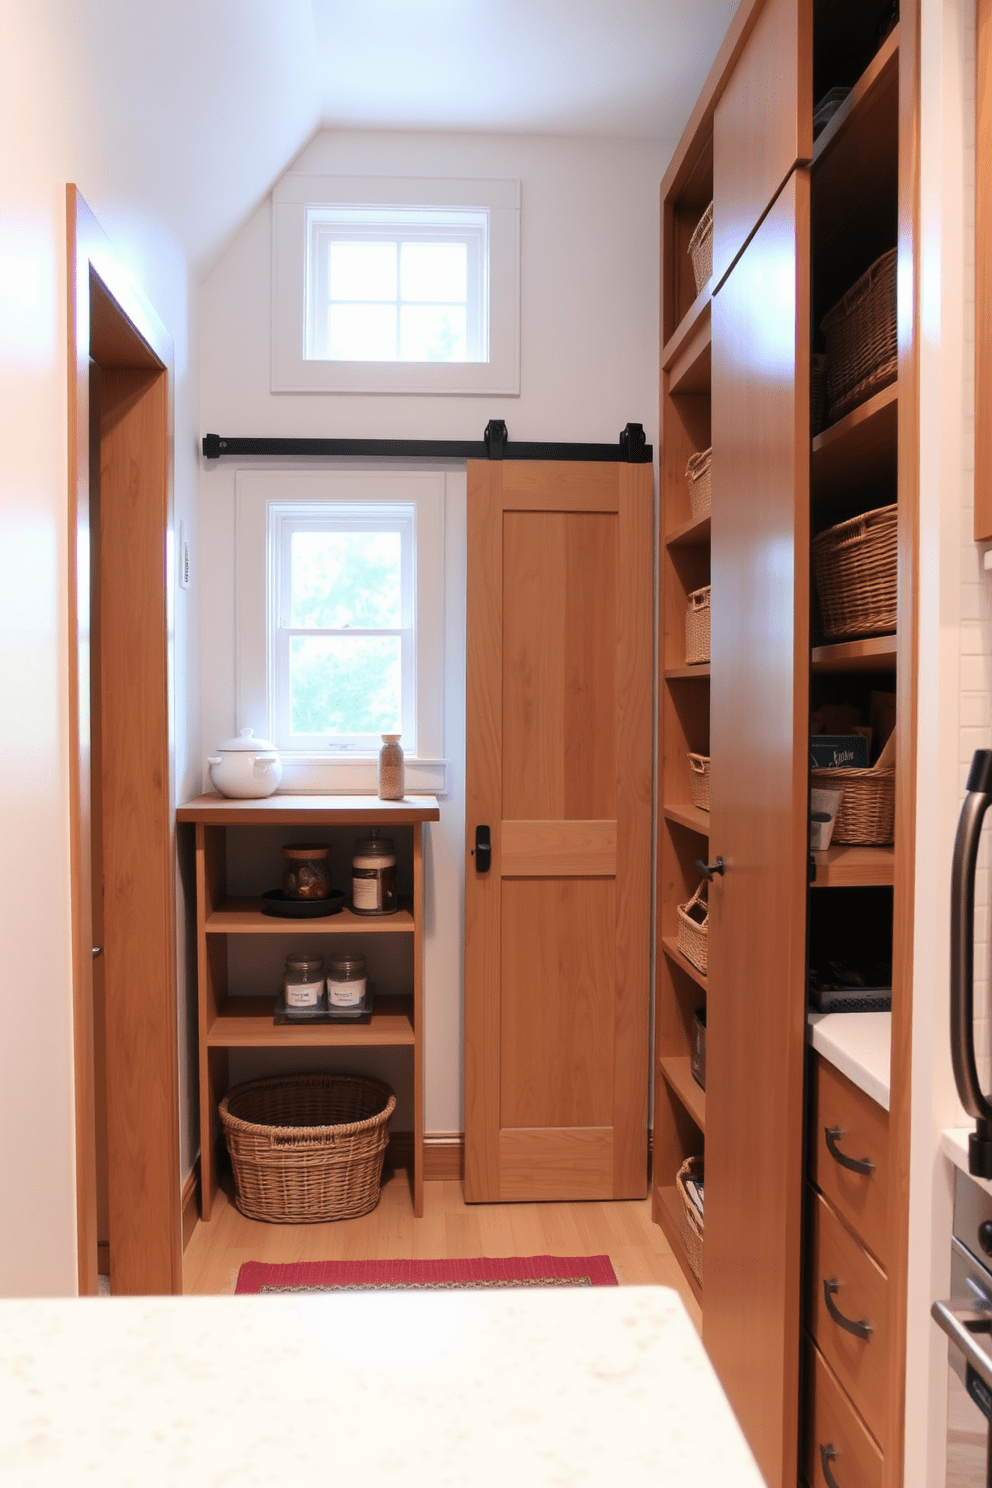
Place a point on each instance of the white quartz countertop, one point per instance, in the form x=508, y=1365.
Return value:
x=860, y=1045
x=596, y=1387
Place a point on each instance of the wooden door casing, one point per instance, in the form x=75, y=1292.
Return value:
x=756, y=1008
x=559, y=697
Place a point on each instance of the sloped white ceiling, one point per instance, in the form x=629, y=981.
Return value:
x=609, y=67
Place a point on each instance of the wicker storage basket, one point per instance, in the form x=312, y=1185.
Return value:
x=692, y=1220
x=860, y=333
x=867, y=812
x=697, y=627
x=855, y=567
x=693, y=929
x=307, y=1148
x=699, y=779
x=698, y=473
x=701, y=248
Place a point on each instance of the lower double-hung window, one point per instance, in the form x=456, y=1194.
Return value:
x=340, y=614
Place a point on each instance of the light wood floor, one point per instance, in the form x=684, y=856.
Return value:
x=450, y=1228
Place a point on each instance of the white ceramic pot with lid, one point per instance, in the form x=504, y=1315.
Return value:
x=245, y=767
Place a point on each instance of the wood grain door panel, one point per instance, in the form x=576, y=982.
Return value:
x=762, y=125
x=756, y=1003
x=559, y=768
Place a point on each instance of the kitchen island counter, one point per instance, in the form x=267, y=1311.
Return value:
x=593, y=1387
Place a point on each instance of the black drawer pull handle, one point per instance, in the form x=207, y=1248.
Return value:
x=827, y=1455
x=710, y=870
x=856, y=1164
x=860, y=1330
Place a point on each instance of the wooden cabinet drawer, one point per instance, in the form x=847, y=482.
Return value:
x=762, y=125
x=833, y=1424
x=856, y=1291
x=859, y=1130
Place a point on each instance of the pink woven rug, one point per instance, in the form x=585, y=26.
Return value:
x=351, y=1276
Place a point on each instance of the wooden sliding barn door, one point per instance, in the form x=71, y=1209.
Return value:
x=557, y=927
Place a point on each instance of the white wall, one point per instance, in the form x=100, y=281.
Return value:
x=955, y=682
x=171, y=125
x=589, y=364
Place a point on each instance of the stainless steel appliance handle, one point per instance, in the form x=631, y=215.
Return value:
x=961, y=1323
x=966, y=843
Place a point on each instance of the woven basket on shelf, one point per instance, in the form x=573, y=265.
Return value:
x=307, y=1148
x=693, y=929
x=692, y=1221
x=867, y=812
x=699, y=474
x=701, y=248
x=699, y=779
x=860, y=333
x=855, y=567
x=697, y=627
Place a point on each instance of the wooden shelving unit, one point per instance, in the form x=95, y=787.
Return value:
x=859, y=181
x=229, y=1019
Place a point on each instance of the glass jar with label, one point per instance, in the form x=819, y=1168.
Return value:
x=373, y=876
x=346, y=979
x=303, y=981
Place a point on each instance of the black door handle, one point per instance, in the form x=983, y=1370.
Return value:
x=483, y=850
x=860, y=1330
x=963, y=868
x=856, y=1164
x=710, y=870
x=827, y=1455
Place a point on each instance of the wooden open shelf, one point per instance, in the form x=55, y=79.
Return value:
x=875, y=654
x=677, y=1070
x=692, y=534
x=696, y=319
x=690, y=372
x=854, y=867
x=692, y=817
x=248, y=1023
x=671, y=948
x=879, y=75
x=668, y=1213
x=244, y=917
x=860, y=448
x=677, y=672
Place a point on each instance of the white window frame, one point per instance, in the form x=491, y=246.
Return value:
x=267, y=504
x=298, y=198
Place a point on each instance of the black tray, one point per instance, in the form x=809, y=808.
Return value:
x=275, y=902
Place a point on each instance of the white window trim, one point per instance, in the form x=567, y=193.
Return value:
x=256, y=491
x=292, y=372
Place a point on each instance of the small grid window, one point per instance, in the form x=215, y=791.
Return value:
x=408, y=285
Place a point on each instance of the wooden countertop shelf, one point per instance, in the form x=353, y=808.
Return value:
x=681, y=672
x=859, y=448
x=692, y=817
x=669, y=1216
x=248, y=1023
x=854, y=867
x=244, y=917
x=671, y=948
x=875, y=654
x=677, y=1070
x=308, y=810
